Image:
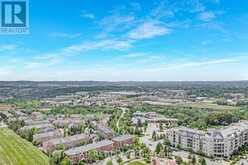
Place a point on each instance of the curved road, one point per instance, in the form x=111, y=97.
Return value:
x=122, y=114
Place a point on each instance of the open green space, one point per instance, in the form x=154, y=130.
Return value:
x=16, y=151
x=212, y=106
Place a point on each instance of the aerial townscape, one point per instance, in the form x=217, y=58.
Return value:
x=124, y=123
x=124, y=82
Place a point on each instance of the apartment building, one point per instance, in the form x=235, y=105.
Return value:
x=186, y=138
x=42, y=137
x=80, y=153
x=40, y=128
x=36, y=122
x=121, y=141
x=67, y=142
x=214, y=142
x=107, y=133
x=152, y=117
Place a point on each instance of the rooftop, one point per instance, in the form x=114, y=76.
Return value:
x=68, y=139
x=89, y=147
x=122, y=138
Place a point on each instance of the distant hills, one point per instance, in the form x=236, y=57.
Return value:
x=43, y=89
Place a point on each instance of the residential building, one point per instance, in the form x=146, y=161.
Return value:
x=36, y=122
x=66, y=122
x=215, y=142
x=170, y=162
x=155, y=161
x=186, y=138
x=42, y=137
x=66, y=142
x=107, y=133
x=80, y=153
x=40, y=128
x=121, y=141
x=152, y=117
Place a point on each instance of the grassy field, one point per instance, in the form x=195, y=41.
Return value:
x=16, y=151
x=208, y=106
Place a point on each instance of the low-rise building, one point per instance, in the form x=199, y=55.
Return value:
x=41, y=128
x=37, y=115
x=152, y=117
x=121, y=141
x=18, y=113
x=36, y=122
x=107, y=133
x=80, y=153
x=66, y=122
x=67, y=142
x=42, y=137
x=170, y=162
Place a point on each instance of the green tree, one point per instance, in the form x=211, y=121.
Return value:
x=92, y=157
x=119, y=160
x=202, y=161
x=66, y=161
x=193, y=160
x=179, y=160
x=166, y=151
x=109, y=162
x=189, y=156
x=139, y=123
x=160, y=127
x=80, y=163
x=158, y=148
x=178, y=146
x=154, y=135
x=129, y=155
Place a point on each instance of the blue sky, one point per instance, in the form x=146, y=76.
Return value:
x=144, y=40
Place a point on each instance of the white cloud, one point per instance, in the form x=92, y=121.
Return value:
x=8, y=47
x=195, y=64
x=88, y=15
x=100, y=45
x=52, y=58
x=149, y=29
x=114, y=23
x=65, y=35
x=207, y=16
x=134, y=55
x=162, y=10
x=206, y=42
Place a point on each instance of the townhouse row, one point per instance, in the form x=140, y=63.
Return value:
x=80, y=153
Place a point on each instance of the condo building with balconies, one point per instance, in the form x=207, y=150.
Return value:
x=214, y=142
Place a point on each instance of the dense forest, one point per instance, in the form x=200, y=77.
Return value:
x=35, y=90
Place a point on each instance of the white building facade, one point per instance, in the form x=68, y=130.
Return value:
x=214, y=143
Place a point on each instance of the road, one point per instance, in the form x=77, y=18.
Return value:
x=122, y=114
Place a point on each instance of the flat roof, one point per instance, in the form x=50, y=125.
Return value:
x=88, y=147
x=46, y=134
x=38, y=126
x=122, y=138
x=68, y=139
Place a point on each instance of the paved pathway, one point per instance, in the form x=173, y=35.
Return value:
x=122, y=114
